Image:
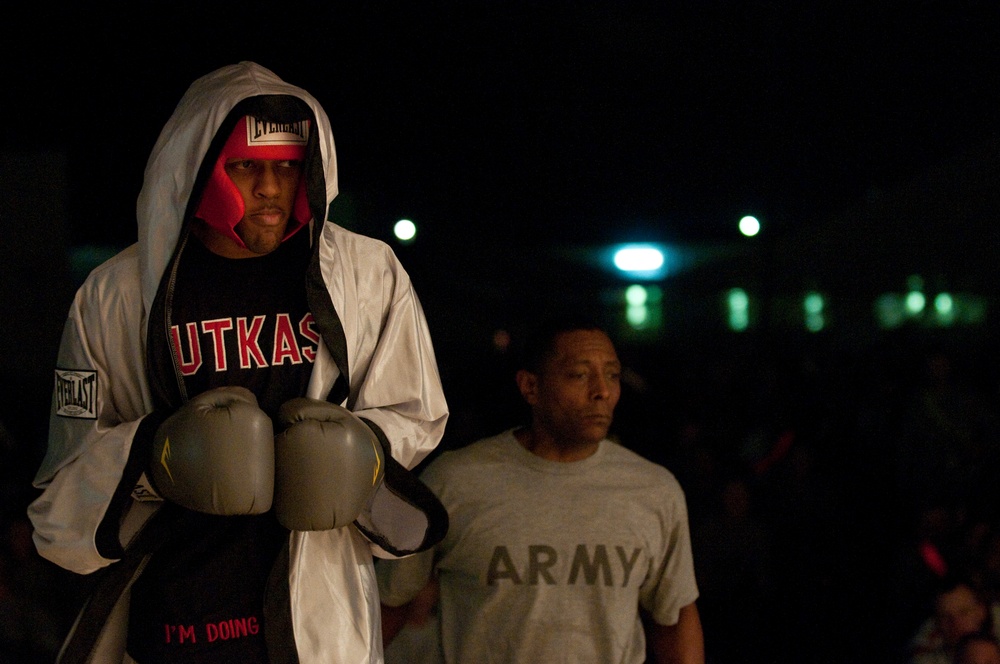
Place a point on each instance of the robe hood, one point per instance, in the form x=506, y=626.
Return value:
x=185, y=152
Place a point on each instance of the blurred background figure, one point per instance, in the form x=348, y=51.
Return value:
x=959, y=610
x=733, y=569
x=949, y=447
x=977, y=649
x=36, y=597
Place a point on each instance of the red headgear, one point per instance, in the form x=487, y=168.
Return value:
x=221, y=205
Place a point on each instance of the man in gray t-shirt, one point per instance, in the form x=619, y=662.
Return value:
x=561, y=542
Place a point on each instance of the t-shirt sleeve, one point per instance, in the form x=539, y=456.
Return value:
x=672, y=586
x=399, y=580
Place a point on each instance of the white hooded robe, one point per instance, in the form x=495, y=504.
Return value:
x=379, y=363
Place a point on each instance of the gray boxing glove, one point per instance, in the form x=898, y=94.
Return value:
x=216, y=454
x=328, y=465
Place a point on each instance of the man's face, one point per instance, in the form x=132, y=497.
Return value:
x=574, y=395
x=959, y=612
x=982, y=651
x=268, y=188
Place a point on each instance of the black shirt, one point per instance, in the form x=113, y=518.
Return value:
x=234, y=322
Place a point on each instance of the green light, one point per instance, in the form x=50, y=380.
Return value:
x=636, y=295
x=889, y=311
x=405, y=230
x=749, y=226
x=915, y=302
x=813, y=305
x=944, y=306
x=637, y=315
x=739, y=306
x=643, y=307
x=738, y=300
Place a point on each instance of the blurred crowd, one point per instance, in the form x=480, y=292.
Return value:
x=837, y=498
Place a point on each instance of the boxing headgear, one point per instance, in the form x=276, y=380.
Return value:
x=221, y=205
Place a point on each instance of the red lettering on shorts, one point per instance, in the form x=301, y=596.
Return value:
x=179, y=634
x=234, y=628
x=222, y=630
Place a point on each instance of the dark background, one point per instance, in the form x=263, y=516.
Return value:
x=550, y=123
x=524, y=139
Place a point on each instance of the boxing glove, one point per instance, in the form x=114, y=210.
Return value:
x=215, y=454
x=328, y=465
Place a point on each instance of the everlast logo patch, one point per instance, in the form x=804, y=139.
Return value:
x=76, y=393
x=262, y=133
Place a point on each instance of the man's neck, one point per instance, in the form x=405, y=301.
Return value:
x=551, y=449
x=219, y=244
